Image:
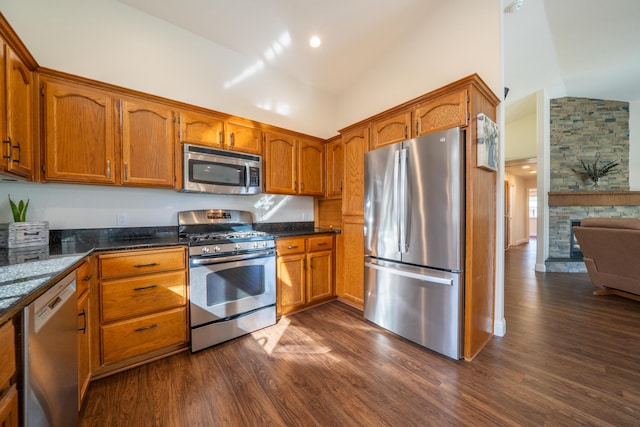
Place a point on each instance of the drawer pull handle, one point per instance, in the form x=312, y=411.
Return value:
x=322, y=244
x=292, y=247
x=144, y=288
x=84, y=318
x=144, y=328
x=33, y=233
x=86, y=278
x=151, y=264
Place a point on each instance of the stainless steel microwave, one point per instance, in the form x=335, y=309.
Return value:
x=209, y=170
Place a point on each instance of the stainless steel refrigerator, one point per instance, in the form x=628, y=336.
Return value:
x=414, y=234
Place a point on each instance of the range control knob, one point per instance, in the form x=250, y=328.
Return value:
x=255, y=245
x=237, y=246
x=264, y=244
x=205, y=249
x=217, y=249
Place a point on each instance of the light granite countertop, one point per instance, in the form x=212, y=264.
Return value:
x=20, y=283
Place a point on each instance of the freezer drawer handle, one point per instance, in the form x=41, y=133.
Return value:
x=423, y=277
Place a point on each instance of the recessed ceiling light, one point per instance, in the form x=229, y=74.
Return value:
x=315, y=41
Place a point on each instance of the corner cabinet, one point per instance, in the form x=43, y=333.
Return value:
x=147, y=144
x=142, y=303
x=304, y=269
x=79, y=134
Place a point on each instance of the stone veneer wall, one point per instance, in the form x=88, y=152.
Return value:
x=582, y=128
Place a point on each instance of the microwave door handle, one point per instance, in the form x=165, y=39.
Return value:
x=247, y=176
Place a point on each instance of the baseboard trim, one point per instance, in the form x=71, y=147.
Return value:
x=541, y=268
x=500, y=327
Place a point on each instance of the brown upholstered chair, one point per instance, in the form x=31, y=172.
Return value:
x=611, y=250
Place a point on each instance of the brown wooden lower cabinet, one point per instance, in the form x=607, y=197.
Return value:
x=9, y=408
x=84, y=346
x=351, y=290
x=142, y=305
x=8, y=392
x=304, y=272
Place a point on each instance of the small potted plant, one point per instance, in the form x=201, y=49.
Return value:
x=21, y=232
x=594, y=171
x=19, y=210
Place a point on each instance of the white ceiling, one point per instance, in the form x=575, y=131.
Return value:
x=355, y=33
x=582, y=48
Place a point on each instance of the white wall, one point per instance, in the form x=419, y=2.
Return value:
x=68, y=206
x=114, y=43
x=461, y=37
x=634, y=146
x=520, y=136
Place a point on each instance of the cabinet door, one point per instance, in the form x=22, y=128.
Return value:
x=84, y=347
x=79, y=140
x=352, y=288
x=9, y=408
x=147, y=144
x=7, y=354
x=280, y=164
x=335, y=163
x=319, y=275
x=310, y=167
x=20, y=110
x=290, y=284
x=391, y=129
x=200, y=129
x=243, y=137
x=355, y=145
x=443, y=112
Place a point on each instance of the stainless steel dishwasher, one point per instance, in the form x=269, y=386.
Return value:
x=51, y=357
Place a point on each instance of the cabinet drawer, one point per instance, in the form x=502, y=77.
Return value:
x=290, y=246
x=137, y=262
x=9, y=408
x=7, y=354
x=321, y=243
x=129, y=338
x=83, y=277
x=142, y=294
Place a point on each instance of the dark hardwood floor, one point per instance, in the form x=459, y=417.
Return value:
x=568, y=358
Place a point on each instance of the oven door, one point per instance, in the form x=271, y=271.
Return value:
x=222, y=289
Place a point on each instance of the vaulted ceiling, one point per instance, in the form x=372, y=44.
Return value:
x=569, y=47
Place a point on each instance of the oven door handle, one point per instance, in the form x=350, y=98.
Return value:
x=242, y=257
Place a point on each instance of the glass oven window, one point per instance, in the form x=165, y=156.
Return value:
x=235, y=284
x=216, y=173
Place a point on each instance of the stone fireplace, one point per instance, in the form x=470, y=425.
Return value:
x=582, y=129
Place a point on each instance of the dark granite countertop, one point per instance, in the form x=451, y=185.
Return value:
x=26, y=273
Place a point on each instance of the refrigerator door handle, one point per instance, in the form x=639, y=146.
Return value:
x=396, y=196
x=422, y=277
x=403, y=209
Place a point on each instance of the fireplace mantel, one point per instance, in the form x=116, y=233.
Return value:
x=594, y=198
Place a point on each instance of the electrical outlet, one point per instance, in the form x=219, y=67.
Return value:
x=121, y=218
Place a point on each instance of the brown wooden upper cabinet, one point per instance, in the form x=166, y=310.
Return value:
x=241, y=136
x=79, y=133
x=147, y=144
x=280, y=163
x=390, y=130
x=334, y=167
x=310, y=167
x=17, y=115
x=201, y=129
x=443, y=112
x=293, y=166
x=355, y=143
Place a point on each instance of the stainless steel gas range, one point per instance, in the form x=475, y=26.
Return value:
x=232, y=275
